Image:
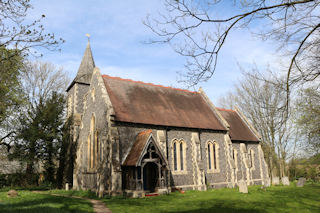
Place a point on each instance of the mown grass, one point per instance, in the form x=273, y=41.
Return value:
x=274, y=199
x=29, y=202
x=80, y=193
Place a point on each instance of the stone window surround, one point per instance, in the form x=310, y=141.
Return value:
x=251, y=156
x=217, y=148
x=184, y=146
x=93, y=146
x=235, y=158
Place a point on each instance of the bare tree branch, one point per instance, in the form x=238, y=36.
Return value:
x=195, y=31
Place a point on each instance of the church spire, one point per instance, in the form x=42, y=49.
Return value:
x=86, y=67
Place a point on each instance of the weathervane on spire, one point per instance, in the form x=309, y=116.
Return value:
x=88, y=35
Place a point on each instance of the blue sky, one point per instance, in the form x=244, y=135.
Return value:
x=117, y=42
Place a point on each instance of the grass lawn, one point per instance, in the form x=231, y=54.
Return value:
x=275, y=199
x=28, y=202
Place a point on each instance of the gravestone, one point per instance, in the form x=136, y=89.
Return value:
x=285, y=181
x=243, y=188
x=12, y=193
x=67, y=186
x=267, y=182
x=275, y=181
x=301, y=182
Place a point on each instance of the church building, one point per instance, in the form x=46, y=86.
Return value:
x=136, y=138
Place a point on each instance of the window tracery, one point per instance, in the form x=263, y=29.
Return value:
x=212, y=156
x=179, y=155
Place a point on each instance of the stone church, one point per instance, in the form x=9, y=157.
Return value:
x=135, y=138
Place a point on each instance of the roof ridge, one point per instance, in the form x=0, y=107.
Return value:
x=147, y=131
x=222, y=109
x=150, y=84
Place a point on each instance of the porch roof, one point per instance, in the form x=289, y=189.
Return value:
x=137, y=148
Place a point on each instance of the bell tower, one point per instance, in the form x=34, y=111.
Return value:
x=78, y=88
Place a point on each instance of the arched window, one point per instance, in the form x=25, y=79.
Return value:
x=175, y=156
x=97, y=148
x=179, y=155
x=92, y=144
x=212, y=156
x=89, y=150
x=235, y=157
x=251, y=158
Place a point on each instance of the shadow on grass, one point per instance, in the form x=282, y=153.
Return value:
x=29, y=188
x=79, y=193
x=274, y=199
x=164, y=204
x=47, y=204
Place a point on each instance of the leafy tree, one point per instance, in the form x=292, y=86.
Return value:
x=11, y=92
x=66, y=155
x=308, y=116
x=39, y=132
x=305, y=167
x=18, y=39
x=40, y=135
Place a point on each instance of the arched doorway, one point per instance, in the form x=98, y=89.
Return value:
x=145, y=168
x=150, y=177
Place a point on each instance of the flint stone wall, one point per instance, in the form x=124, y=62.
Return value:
x=219, y=179
x=93, y=106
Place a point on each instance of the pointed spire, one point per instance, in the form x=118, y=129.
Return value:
x=86, y=67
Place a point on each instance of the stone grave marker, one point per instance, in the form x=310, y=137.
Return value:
x=67, y=186
x=301, y=182
x=267, y=182
x=243, y=188
x=285, y=181
x=275, y=181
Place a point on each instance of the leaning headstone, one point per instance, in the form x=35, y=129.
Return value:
x=275, y=181
x=12, y=193
x=301, y=182
x=285, y=181
x=243, y=188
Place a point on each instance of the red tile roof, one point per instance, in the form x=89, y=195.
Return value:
x=145, y=103
x=239, y=131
